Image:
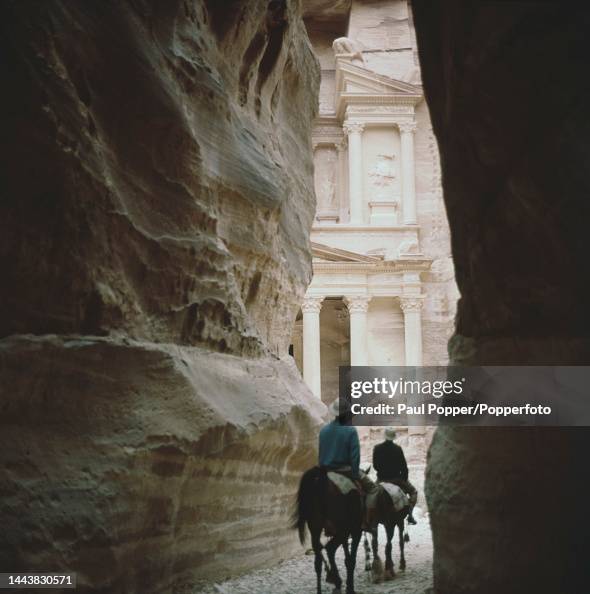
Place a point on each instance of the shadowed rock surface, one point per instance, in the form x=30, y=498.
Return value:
x=508, y=94
x=157, y=200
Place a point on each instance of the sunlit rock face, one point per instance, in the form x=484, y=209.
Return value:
x=508, y=95
x=157, y=199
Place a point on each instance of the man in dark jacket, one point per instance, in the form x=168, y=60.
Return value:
x=390, y=464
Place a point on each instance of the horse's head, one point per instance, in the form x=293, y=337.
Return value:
x=365, y=470
x=366, y=480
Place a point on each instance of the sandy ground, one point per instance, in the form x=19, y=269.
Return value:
x=297, y=575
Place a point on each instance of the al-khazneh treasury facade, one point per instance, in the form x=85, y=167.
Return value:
x=383, y=290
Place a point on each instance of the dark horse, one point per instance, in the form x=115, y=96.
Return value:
x=386, y=514
x=321, y=506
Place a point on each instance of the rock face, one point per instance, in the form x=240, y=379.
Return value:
x=508, y=97
x=157, y=199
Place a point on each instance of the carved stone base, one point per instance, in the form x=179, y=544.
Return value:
x=328, y=216
x=383, y=212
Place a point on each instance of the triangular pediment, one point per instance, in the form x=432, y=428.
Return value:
x=356, y=79
x=331, y=254
x=357, y=85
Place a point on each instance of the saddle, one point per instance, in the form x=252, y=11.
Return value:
x=344, y=484
x=398, y=497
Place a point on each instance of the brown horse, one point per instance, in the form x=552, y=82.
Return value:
x=386, y=514
x=322, y=507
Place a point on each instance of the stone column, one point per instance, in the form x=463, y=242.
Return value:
x=311, y=307
x=298, y=345
x=355, y=170
x=412, y=307
x=358, y=308
x=342, y=179
x=408, y=173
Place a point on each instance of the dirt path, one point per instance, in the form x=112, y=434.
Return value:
x=297, y=576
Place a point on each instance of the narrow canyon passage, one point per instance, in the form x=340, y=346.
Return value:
x=297, y=576
x=209, y=206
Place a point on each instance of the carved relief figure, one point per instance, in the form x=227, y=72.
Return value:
x=327, y=193
x=325, y=179
x=344, y=46
x=382, y=176
x=407, y=247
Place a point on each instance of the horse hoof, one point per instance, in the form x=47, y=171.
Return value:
x=389, y=575
x=402, y=566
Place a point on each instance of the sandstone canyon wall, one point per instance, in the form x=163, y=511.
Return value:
x=157, y=197
x=508, y=94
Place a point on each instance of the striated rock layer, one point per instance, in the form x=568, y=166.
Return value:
x=508, y=94
x=157, y=200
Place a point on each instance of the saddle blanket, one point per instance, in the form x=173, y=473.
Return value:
x=399, y=498
x=343, y=483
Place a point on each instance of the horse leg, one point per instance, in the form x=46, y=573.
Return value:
x=377, y=567
x=333, y=576
x=375, y=542
x=367, y=552
x=317, y=549
x=402, y=559
x=350, y=560
x=389, y=570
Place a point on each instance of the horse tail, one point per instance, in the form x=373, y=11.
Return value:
x=308, y=488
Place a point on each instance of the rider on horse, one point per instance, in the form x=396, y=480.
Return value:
x=390, y=464
x=339, y=444
x=339, y=451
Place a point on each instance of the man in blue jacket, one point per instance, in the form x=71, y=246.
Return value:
x=339, y=444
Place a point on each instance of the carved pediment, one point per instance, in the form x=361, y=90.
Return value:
x=356, y=84
x=353, y=78
x=330, y=254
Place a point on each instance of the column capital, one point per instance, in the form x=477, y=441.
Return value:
x=312, y=305
x=357, y=304
x=353, y=127
x=407, y=127
x=411, y=304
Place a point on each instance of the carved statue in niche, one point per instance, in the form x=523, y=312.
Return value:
x=325, y=179
x=346, y=47
x=382, y=176
x=327, y=193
